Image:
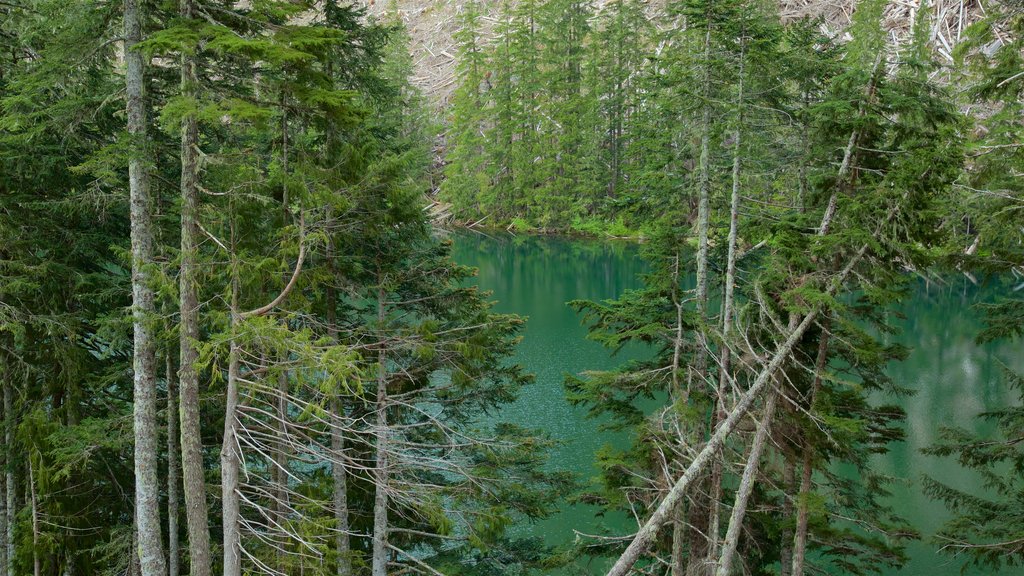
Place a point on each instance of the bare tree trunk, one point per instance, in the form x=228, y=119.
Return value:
x=280, y=453
x=280, y=456
x=703, y=211
x=230, y=459
x=647, y=533
x=803, y=506
x=147, y=489
x=734, y=218
x=342, y=546
x=340, y=475
x=36, y=566
x=849, y=154
x=802, y=516
x=788, y=482
x=5, y=452
x=698, y=512
x=380, y=503
x=645, y=536
x=10, y=419
x=739, y=508
x=173, y=482
x=702, y=512
x=194, y=480
x=680, y=395
x=725, y=359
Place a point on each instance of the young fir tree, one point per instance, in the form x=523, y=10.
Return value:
x=563, y=115
x=467, y=176
x=986, y=525
x=618, y=52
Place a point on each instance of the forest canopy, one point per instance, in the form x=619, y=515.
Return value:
x=234, y=341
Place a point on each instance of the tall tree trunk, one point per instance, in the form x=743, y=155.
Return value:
x=5, y=453
x=10, y=420
x=193, y=475
x=680, y=395
x=280, y=452
x=338, y=471
x=341, y=542
x=36, y=562
x=280, y=456
x=788, y=488
x=725, y=359
x=803, y=515
x=704, y=211
x=147, y=488
x=807, y=472
x=380, y=502
x=230, y=459
x=701, y=513
x=734, y=218
x=173, y=481
x=739, y=508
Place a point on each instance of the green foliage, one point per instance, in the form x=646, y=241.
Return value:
x=311, y=141
x=986, y=525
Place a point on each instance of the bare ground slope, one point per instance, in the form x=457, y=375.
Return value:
x=432, y=23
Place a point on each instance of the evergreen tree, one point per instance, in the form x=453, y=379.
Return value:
x=986, y=525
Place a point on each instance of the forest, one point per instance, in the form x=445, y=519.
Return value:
x=236, y=337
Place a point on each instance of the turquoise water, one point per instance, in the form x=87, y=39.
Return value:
x=954, y=378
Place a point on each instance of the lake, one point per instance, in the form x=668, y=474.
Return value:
x=954, y=378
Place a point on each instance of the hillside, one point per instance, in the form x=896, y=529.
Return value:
x=432, y=24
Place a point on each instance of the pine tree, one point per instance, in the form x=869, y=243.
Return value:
x=467, y=178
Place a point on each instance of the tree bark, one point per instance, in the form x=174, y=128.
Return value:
x=280, y=453
x=10, y=420
x=147, y=489
x=173, y=482
x=5, y=452
x=230, y=459
x=680, y=395
x=739, y=508
x=803, y=515
x=788, y=482
x=700, y=537
x=193, y=475
x=734, y=217
x=342, y=546
x=698, y=514
x=803, y=507
x=704, y=210
x=380, y=502
x=36, y=565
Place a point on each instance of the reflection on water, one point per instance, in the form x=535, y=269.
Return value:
x=954, y=378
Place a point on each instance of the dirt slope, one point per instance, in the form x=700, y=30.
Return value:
x=431, y=24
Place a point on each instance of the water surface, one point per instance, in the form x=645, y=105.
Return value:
x=954, y=378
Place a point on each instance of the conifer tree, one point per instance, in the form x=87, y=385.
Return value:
x=986, y=527
x=466, y=172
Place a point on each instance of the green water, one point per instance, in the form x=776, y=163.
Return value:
x=954, y=378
